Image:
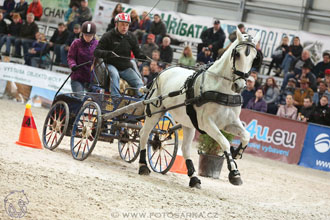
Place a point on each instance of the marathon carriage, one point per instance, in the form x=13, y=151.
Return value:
x=92, y=116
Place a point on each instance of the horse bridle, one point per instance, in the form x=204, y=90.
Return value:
x=235, y=54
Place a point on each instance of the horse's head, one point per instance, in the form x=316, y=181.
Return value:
x=244, y=56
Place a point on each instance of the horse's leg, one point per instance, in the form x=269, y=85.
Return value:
x=238, y=130
x=214, y=132
x=188, y=136
x=149, y=124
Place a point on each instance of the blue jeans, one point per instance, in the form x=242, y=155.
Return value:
x=286, y=63
x=77, y=86
x=64, y=55
x=27, y=43
x=8, y=40
x=129, y=75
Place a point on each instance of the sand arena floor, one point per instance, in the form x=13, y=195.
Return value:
x=105, y=187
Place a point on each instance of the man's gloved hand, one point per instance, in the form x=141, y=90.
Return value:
x=74, y=68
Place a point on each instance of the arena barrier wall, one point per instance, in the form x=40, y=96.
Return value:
x=316, y=151
x=273, y=137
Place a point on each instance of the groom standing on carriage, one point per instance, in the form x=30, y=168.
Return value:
x=115, y=48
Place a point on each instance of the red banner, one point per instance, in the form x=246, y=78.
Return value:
x=273, y=137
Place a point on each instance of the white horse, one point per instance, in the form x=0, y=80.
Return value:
x=227, y=76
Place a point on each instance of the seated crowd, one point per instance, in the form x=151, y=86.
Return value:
x=304, y=94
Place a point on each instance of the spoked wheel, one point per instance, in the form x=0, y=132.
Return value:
x=129, y=150
x=163, y=145
x=55, y=125
x=86, y=130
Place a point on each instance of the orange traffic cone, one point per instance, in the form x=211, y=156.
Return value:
x=29, y=135
x=179, y=165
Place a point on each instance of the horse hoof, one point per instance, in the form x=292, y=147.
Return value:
x=195, y=183
x=235, y=178
x=144, y=170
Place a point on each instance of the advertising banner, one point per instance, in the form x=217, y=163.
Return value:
x=273, y=137
x=33, y=76
x=316, y=151
x=54, y=10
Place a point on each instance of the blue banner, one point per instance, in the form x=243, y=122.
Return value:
x=316, y=150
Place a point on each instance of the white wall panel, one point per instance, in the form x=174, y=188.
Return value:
x=212, y=12
x=321, y=5
x=272, y=22
x=163, y=4
x=319, y=28
x=297, y=3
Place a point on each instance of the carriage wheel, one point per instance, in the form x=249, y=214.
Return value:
x=55, y=125
x=162, y=147
x=129, y=150
x=86, y=130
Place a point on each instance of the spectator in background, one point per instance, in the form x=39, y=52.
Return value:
x=297, y=65
x=205, y=56
x=144, y=26
x=232, y=36
x=65, y=48
x=155, y=68
x=288, y=110
x=321, y=91
x=278, y=56
x=155, y=56
x=295, y=51
x=320, y=68
x=135, y=20
x=81, y=51
x=84, y=12
x=254, y=74
x=70, y=15
x=150, y=46
x=72, y=2
x=145, y=73
x=302, y=92
x=57, y=40
x=166, y=51
x=288, y=90
x=306, y=73
x=327, y=78
x=20, y=8
x=7, y=8
x=3, y=26
x=271, y=95
x=187, y=59
x=13, y=31
x=36, y=8
x=213, y=38
x=321, y=113
x=27, y=35
x=257, y=103
x=307, y=109
x=118, y=9
x=157, y=28
x=249, y=92
x=37, y=49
